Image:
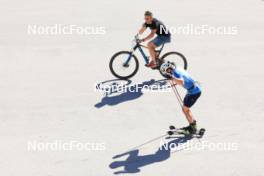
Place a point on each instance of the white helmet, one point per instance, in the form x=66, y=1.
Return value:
x=165, y=66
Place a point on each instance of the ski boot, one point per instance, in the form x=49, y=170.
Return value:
x=191, y=129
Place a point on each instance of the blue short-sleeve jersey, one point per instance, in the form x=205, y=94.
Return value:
x=189, y=84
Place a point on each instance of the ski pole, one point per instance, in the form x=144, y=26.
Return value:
x=176, y=93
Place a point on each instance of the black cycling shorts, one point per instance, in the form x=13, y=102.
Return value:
x=190, y=99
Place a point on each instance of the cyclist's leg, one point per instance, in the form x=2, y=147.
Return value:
x=156, y=42
x=151, y=48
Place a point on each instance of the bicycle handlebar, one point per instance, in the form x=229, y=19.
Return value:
x=137, y=38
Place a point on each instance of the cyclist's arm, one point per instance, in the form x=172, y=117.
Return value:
x=142, y=30
x=151, y=35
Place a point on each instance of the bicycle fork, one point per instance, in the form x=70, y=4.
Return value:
x=126, y=63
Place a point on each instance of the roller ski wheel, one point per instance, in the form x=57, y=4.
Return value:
x=170, y=133
x=201, y=132
x=172, y=127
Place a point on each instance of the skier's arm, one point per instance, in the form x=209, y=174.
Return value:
x=178, y=81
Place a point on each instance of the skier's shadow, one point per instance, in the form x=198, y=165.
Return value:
x=129, y=93
x=134, y=162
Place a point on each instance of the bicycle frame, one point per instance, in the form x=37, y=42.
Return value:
x=129, y=62
x=139, y=47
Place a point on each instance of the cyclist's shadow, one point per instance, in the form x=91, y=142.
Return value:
x=134, y=161
x=131, y=93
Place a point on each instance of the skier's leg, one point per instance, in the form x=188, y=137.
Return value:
x=188, y=114
x=191, y=128
x=188, y=102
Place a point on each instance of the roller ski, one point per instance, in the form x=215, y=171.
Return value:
x=190, y=130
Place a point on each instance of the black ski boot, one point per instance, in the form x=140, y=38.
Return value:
x=191, y=129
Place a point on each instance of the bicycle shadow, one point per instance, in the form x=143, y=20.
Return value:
x=129, y=93
x=134, y=162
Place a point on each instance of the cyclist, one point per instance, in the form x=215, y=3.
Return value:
x=158, y=28
x=181, y=77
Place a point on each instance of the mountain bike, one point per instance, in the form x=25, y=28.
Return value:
x=124, y=64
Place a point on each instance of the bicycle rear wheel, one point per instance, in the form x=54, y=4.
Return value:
x=124, y=65
x=177, y=58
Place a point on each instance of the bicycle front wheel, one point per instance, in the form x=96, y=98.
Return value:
x=124, y=65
